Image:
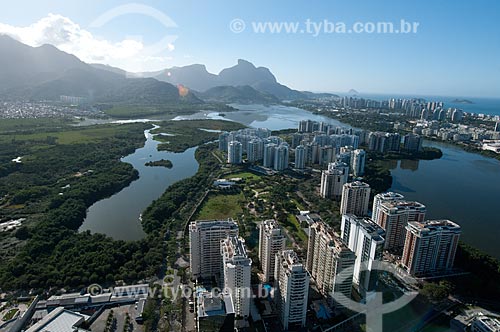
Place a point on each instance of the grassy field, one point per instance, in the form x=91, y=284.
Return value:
x=33, y=125
x=70, y=136
x=245, y=176
x=294, y=227
x=10, y=314
x=222, y=207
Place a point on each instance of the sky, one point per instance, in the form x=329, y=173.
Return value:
x=455, y=50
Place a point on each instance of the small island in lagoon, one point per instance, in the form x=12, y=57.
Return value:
x=157, y=163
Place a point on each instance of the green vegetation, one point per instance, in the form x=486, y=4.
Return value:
x=33, y=125
x=436, y=292
x=222, y=207
x=110, y=322
x=151, y=315
x=245, y=176
x=293, y=226
x=485, y=273
x=69, y=136
x=52, y=188
x=190, y=133
x=486, y=153
x=161, y=162
x=10, y=314
x=169, y=213
x=378, y=176
x=427, y=153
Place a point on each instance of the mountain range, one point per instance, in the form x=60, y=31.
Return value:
x=46, y=73
x=244, y=73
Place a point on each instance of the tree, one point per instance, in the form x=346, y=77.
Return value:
x=436, y=292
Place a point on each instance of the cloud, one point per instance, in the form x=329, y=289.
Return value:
x=69, y=37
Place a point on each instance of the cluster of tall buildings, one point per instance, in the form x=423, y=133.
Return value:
x=320, y=143
x=336, y=175
x=289, y=275
x=218, y=254
x=455, y=132
x=399, y=226
x=384, y=142
x=315, y=143
x=412, y=107
x=257, y=145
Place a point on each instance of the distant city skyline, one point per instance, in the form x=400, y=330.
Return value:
x=454, y=52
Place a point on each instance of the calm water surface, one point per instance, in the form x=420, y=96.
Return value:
x=461, y=186
x=118, y=215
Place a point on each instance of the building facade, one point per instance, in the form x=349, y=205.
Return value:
x=255, y=150
x=292, y=282
x=358, y=160
x=330, y=263
x=393, y=216
x=300, y=157
x=281, y=157
x=355, y=198
x=205, y=241
x=271, y=242
x=333, y=180
x=236, y=274
x=234, y=152
x=366, y=239
x=269, y=152
x=384, y=197
x=430, y=246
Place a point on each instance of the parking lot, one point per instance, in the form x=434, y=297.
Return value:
x=119, y=313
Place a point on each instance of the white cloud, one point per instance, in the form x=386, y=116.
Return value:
x=69, y=37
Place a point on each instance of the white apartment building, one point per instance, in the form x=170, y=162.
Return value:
x=236, y=274
x=271, y=242
x=204, y=242
x=292, y=282
x=300, y=157
x=234, y=152
x=358, y=160
x=355, y=198
x=366, y=239
x=333, y=180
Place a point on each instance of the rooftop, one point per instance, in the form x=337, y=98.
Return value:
x=403, y=205
x=59, y=320
x=434, y=225
x=357, y=184
x=210, y=304
x=390, y=195
x=213, y=223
